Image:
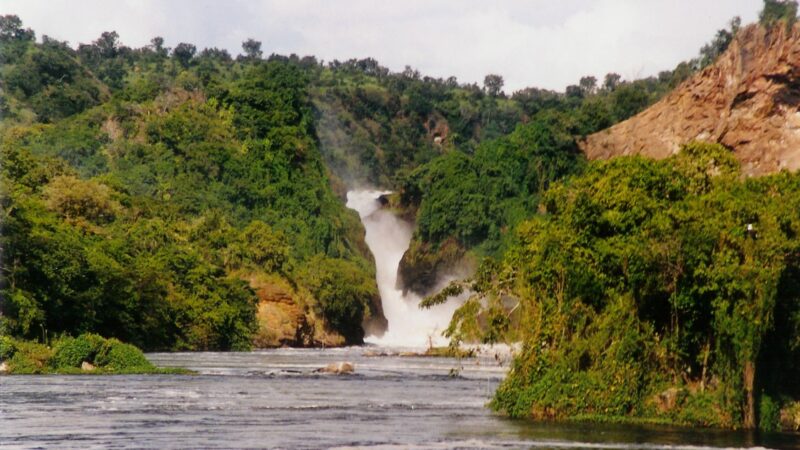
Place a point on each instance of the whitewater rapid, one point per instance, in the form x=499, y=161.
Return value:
x=388, y=237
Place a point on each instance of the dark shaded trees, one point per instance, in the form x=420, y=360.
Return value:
x=183, y=53
x=252, y=49
x=493, y=84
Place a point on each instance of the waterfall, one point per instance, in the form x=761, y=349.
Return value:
x=388, y=238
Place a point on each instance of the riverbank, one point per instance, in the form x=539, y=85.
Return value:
x=87, y=354
x=276, y=399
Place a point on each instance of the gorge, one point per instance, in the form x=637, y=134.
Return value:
x=615, y=264
x=388, y=237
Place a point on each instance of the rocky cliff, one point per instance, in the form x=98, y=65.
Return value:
x=748, y=101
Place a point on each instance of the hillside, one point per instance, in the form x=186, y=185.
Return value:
x=747, y=101
x=658, y=282
x=178, y=202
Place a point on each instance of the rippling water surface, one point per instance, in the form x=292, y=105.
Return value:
x=275, y=399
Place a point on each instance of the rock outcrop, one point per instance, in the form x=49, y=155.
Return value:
x=338, y=368
x=425, y=267
x=284, y=319
x=747, y=101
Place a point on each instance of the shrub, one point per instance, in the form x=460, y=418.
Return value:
x=29, y=358
x=7, y=348
x=769, y=412
x=343, y=292
x=71, y=352
x=703, y=409
x=778, y=10
x=118, y=356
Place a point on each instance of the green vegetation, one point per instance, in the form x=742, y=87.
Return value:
x=159, y=196
x=468, y=199
x=376, y=126
x=142, y=192
x=776, y=11
x=657, y=290
x=87, y=353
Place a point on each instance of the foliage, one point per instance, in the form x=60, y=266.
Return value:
x=343, y=292
x=71, y=352
x=105, y=356
x=28, y=357
x=711, y=51
x=769, y=413
x=119, y=356
x=775, y=11
x=375, y=126
x=470, y=202
x=140, y=208
x=467, y=148
x=51, y=80
x=645, y=275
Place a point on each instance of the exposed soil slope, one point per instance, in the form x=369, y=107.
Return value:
x=748, y=101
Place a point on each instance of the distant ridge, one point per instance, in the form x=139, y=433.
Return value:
x=748, y=101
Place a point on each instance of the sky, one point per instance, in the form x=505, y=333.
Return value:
x=542, y=43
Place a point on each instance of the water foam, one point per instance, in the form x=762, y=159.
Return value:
x=388, y=237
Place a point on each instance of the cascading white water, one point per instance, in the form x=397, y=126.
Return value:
x=388, y=238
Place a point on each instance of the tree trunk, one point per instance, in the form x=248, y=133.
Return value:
x=750, y=395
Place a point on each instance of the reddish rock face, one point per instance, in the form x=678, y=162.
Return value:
x=747, y=101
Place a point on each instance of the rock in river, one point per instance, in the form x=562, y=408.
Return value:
x=338, y=368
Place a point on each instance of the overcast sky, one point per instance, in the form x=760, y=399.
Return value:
x=543, y=43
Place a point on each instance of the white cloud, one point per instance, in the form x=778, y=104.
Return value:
x=540, y=43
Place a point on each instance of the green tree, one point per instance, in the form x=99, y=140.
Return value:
x=252, y=49
x=183, y=53
x=493, y=84
x=775, y=11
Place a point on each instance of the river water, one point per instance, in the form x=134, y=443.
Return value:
x=275, y=399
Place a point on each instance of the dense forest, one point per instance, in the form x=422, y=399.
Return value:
x=183, y=199
x=165, y=196
x=146, y=195
x=655, y=291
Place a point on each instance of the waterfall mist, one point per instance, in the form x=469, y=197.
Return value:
x=388, y=237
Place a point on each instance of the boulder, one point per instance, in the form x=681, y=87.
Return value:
x=338, y=368
x=424, y=265
x=3, y=367
x=86, y=366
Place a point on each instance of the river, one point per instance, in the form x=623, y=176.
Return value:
x=277, y=399
x=274, y=399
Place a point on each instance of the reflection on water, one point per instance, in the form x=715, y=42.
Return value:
x=274, y=399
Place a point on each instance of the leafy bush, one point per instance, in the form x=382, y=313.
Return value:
x=343, y=292
x=71, y=352
x=702, y=409
x=119, y=356
x=29, y=358
x=107, y=355
x=769, y=414
x=646, y=272
x=7, y=347
x=775, y=11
